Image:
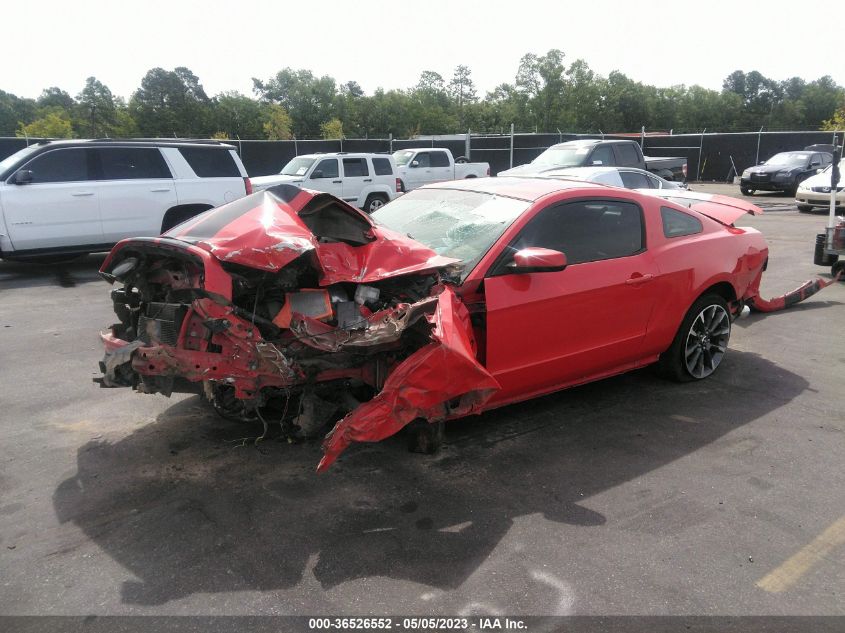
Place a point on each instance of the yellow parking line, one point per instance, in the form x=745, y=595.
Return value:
x=790, y=572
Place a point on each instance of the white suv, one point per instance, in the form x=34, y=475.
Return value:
x=74, y=197
x=367, y=180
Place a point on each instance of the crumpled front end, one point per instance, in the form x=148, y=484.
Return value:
x=294, y=309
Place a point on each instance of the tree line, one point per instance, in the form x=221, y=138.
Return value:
x=547, y=94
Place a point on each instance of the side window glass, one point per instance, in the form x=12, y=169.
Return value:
x=328, y=167
x=586, y=231
x=355, y=167
x=423, y=159
x=439, y=159
x=676, y=223
x=382, y=167
x=131, y=163
x=603, y=153
x=62, y=165
x=634, y=180
x=210, y=162
x=627, y=155
x=609, y=178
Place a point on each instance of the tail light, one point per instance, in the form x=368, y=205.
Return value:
x=400, y=187
x=684, y=170
x=247, y=186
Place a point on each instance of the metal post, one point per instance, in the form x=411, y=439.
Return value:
x=295, y=147
x=831, y=218
x=511, y=145
x=759, y=134
x=559, y=136
x=467, y=146
x=698, y=166
x=642, y=139
x=391, y=142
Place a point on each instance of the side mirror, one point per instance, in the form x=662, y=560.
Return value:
x=23, y=177
x=317, y=174
x=819, y=170
x=537, y=260
x=415, y=163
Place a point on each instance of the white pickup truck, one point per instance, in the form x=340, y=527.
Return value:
x=420, y=166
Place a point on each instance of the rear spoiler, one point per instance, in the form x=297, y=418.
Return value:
x=724, y=209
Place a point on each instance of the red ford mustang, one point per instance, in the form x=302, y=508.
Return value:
x=292, y=307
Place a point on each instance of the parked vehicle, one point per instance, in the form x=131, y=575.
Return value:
x=783, y=172
x=601, y=153
x=814, y=192
x=296, y=308
x=626, y=177
x=76, y=197
x=424, y=165
x=368, y=181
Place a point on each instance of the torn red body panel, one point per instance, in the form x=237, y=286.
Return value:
x=293, y=307
x=423, y=386
x=804, y=291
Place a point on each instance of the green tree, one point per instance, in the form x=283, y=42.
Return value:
x=238, y=116
x=171, y=103
x=55, y=124
x=332, y=129
x=308, y=99
x=278, y=124
x=96, y=113
x=55, y=97
x=13, y=111
x=462, y=90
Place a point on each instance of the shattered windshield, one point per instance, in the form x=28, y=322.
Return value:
x=562, y=156
x=298, y=166
x=402, y=157
x=453, y=223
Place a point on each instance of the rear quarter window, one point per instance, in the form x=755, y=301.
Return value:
x=677, y=224
x=208, y=162
x=382, y=167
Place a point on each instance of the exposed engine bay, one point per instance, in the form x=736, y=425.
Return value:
x=303, y=330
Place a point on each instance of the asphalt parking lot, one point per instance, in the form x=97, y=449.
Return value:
x=628, y=496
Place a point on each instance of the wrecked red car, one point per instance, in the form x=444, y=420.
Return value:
x=292, y=307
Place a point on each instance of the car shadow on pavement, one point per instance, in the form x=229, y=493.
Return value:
x=66, y=274
x=186, y=505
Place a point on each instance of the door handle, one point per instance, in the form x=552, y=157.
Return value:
x=82, y=194
x=368, y=179
x=165, y=190
x=336, y=182
x=637, y=279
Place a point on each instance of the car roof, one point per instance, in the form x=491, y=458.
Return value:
x=345, y=155
x=582, y=142
x=528, y=189
x=146, y=142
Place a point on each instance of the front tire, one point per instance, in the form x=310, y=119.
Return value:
x=701, y=341
x=374, y=202
x=805, y=208
x=745, y=191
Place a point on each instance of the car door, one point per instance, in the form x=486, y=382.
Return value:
x=136, y=189
x=326, y=177
x=546, y=330
x=602, y=156
x=441, y=167
x=418, y=171
x=356, y=176
x=58, y=207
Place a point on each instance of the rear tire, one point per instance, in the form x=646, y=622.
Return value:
x=374, y=202
x=701, y=341
x=746, y=191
